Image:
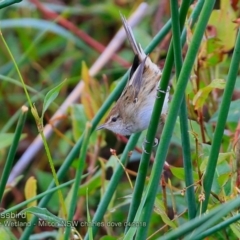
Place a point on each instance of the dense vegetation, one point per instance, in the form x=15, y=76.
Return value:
x=58, y=79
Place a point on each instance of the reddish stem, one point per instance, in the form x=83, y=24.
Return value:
x=49, y=14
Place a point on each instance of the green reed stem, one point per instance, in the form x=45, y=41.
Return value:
x=103, y=205
x=172, y=116
x=80, y=168
x=142, y=170
x=222, y=118
x=218, y=227
x=183, y=115
x=206, y=220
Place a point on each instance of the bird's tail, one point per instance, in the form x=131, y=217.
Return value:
x=137, y=49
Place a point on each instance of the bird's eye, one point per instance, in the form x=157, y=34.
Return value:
x=114, y=119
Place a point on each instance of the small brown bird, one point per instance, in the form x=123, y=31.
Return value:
x=133, y=110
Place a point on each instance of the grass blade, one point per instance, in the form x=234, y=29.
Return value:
x=12, y=151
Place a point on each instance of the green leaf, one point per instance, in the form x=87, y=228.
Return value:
x=233, y=114
x=51, y=96
x=94, y=183
x=221, y=158
x=214, y=53
x=206, y=149
x=44, y=179
x=160, y=209
x=194, y=130
x=235, y=229
x=200, y=98
x=222, y=20
x=217, y=83
x=6, y=234
x=227, y=156
x=223, y=179
x=44, y=214
x=180, y=174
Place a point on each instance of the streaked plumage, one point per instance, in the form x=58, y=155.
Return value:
x=132, y=111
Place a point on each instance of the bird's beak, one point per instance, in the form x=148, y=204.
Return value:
x=100, y=127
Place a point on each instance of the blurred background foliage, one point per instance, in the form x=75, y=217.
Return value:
x=47, y=52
